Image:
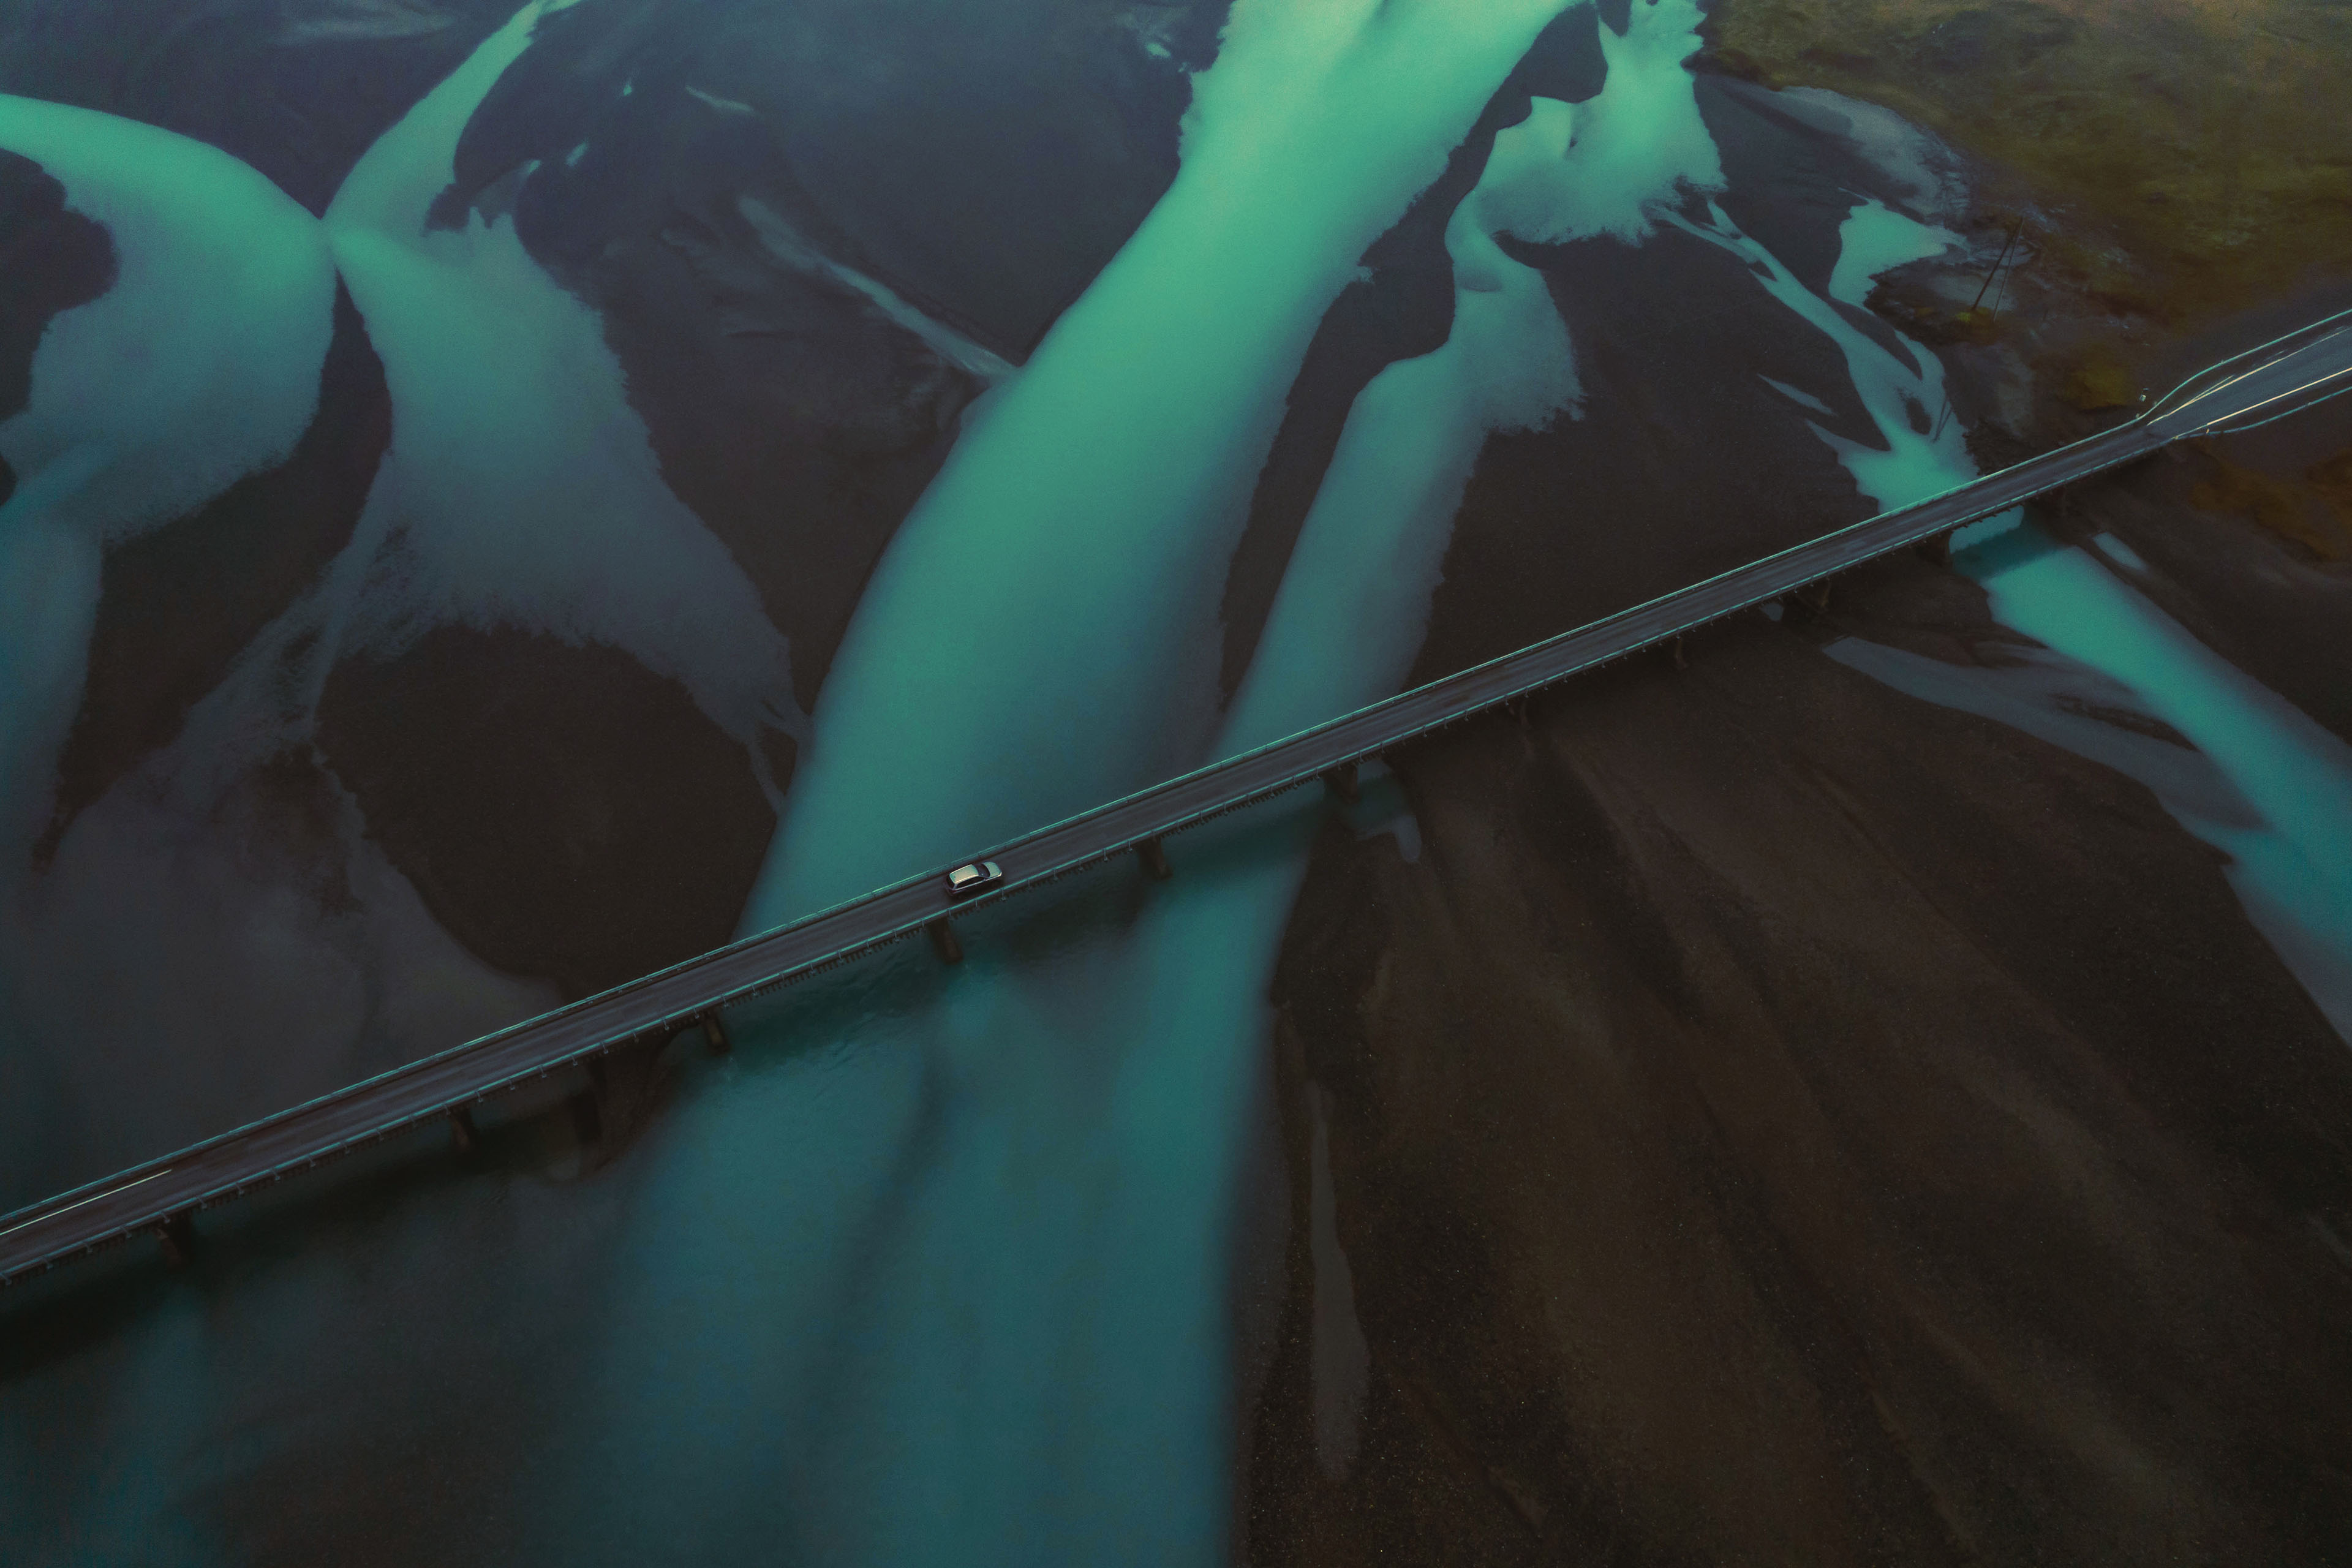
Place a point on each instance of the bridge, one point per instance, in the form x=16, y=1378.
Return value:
x=161, y=1196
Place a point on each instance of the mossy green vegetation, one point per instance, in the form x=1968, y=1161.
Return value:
x=2194, y=156
x=2314, y=509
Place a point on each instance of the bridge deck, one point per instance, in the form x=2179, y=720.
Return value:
x=2266, y=383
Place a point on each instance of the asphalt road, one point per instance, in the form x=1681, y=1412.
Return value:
x=2268, y=383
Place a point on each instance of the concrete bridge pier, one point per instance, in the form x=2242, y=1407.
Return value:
x=1154, y=856
x=177, y=1235
x=1810, y=602
x=462, y=1129
x=714, y=1029
x=1342, y=781
x=944, y=941
x=588, y=1104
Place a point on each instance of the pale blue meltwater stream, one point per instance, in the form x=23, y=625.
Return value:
x=1011, y=1325
x=2269, y=787
x=943, y=1275
x=198, y=366
x=2289, y=837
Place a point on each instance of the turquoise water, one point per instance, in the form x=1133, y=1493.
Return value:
x=2287, y=854
x=939, y=1269
x=2288, y=862
x=1058, y=1266
x=1032, y=1359
x=521, y=488
x=1037, y=637
x=199, y=366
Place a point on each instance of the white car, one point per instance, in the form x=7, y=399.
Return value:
x=968, y=879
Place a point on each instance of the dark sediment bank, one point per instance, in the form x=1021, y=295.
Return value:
x=1773, y=1118
x=2245, y=544
x=298, y=89
x=51, y=260
x=579, y=818
x=179, y=605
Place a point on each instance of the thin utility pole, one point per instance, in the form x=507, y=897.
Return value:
x=2014, y=233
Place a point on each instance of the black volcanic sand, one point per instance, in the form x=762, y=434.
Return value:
x=985, y=170
x=50, y=260
x=576, y=817
x=983, y=166
x=1776, y=1119
x=177, y=606
x=298, y=89
x=985, y=163
x=1773, y=1120
x=564, y=814
x=1684, y=464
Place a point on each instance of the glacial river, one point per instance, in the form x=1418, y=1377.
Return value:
x=940, y=1269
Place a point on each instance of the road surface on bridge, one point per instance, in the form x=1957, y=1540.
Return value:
x=2267, y=382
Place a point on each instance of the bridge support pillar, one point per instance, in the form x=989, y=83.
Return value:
x=178, y=1236
x=714, y=1029
x=588, y=1105
x=1154, y=857
x=1341, y=781
x=468, y=1136
x=1936, y=548
x=1681, y=654
x=1808, y=602
x=944, y=941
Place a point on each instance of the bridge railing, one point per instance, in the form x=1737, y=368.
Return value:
x=160, y=1195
